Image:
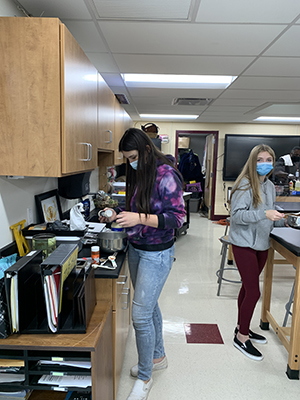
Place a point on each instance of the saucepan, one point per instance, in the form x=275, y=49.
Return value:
x=293, y=220
x=112, y=241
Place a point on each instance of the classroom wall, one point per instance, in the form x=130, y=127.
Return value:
x=169, y=128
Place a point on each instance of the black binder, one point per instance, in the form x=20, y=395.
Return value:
x=24, y=279
x=76, y=290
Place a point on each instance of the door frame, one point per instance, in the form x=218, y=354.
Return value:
x=216, y=138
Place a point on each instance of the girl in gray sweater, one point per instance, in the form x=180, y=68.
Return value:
x=253, y=217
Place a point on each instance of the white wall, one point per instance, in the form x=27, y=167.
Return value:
x=9, y=9
x=170, y=128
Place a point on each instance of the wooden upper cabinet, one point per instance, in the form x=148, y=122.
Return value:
x=106, y=116
x=79, y=108
x=48, y=102
x=119, y=131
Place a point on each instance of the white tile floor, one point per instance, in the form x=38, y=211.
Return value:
x=213, y=371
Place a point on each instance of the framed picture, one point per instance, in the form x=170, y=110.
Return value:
x=48, y=206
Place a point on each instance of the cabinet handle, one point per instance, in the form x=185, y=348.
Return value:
x=88, y=152
x=125, y=280
x=91, y=152
x=128, y=299
x=110, y=136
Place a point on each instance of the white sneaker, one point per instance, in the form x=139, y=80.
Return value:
x=156, y=367
x=140, y=390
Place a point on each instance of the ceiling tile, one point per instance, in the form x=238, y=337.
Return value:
x=266, y=95
x=287, y=45
x=57, y=8
x=275, y=66
x=254, y=11
x=141, y=9
x=104, y=62
x=193, y=39
x=188, y=64
x=268, y=83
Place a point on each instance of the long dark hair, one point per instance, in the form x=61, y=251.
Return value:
x=142, y=179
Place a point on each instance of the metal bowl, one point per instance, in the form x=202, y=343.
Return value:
x=110, y=242
x=293, y=221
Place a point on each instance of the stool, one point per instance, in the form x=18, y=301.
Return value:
x=289, y=304
x=226, y=244
x=226, y=230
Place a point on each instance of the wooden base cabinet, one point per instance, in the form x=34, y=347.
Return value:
x=95, y=346
x=119, y=291
x=48, y=103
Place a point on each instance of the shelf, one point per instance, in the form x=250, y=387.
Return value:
x=67, y=342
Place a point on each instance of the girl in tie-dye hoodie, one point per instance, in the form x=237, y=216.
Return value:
x=154, y=208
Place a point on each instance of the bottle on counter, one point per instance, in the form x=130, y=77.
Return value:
x=95, y=254
x=297, y=186
x=86, y=206
x=291, y=186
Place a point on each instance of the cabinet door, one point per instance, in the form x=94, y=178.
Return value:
x=106, y=128
x=79, y=108
x=128, y=123
x=121, y=317
x=30, y=97
x=119, y=131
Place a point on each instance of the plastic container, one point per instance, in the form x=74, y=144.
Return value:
x=95, y=254
x=105, y=213
x=297, y=186
x=116, y=227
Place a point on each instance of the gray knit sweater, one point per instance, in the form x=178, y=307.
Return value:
x=249, y=226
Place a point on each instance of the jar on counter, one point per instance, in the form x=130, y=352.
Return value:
x=95, y=254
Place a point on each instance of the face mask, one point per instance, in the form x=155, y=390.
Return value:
x=295, y=158
x=134, y=164
x=264, y=168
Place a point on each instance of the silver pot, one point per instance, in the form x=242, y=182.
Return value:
x=110, y=242
x=294, y=221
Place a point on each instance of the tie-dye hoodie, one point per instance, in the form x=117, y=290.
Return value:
x=168, y=204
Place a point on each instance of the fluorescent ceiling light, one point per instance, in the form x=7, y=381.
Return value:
x=278, y=119
x=178, y=81
x=167, y=116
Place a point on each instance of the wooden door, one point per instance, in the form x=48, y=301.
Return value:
x=119, y=131
x=79, y=107
x=106, y=128
x=209, y=165
x=30, y=97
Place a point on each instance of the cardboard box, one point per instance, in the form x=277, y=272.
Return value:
x=183, y=142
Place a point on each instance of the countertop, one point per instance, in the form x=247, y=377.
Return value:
x=101, y=272
x=289, y=238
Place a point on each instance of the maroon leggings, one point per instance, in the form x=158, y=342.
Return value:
x=250, y=263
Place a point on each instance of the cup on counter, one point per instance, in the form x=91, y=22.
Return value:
x=45, y=242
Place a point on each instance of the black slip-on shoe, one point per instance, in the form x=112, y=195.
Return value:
x=248, y=349
x=254, y=337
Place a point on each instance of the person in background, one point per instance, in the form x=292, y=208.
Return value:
x=253, y=217
x=154, y=208
x=286, y=167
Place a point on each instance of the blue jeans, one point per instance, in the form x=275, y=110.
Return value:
x=149, y=271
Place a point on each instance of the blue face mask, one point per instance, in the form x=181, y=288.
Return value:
x=134, y=164
x=264, y=168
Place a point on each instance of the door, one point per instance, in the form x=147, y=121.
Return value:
x=79, y=108
x=106, y=116
x=209, y=167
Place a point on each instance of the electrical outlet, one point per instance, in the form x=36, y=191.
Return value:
x=29, y=216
